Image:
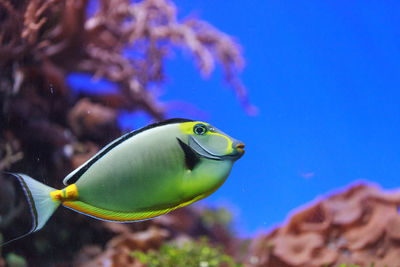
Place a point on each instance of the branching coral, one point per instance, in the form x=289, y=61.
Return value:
x=41, y=42
x=124, y=42
x=46, y=130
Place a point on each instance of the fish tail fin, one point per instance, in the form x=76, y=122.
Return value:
x=41, y=204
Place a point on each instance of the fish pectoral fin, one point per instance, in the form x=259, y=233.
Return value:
x=191, y=158
x=115, y=216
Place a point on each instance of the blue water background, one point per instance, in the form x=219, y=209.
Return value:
x=325, y=77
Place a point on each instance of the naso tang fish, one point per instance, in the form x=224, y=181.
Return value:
x=141, y=175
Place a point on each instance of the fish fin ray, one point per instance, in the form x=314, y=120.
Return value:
x=41, y=205
x=191, y=158
x=114, y=216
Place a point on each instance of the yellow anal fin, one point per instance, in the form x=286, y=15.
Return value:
x=120, y=216
x=117, y=216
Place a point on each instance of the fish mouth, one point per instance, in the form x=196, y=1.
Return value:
x=240, y=148
x=206, y=153
x=239, y=151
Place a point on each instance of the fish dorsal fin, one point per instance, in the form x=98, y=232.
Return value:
x=77, y=173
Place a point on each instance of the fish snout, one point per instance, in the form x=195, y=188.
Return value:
x=238, y=147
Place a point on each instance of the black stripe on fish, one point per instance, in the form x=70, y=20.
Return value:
x=116, y=142
x=31, y=202
x=191, y=158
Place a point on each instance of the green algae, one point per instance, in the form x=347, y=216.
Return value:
x=190, y=254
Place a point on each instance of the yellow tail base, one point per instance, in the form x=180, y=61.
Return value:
x=69, y=193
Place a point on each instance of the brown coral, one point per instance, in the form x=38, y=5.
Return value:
x=46, y=130
x=358, y=226
x=42, y=42
x=92, y=120
x=167, y=228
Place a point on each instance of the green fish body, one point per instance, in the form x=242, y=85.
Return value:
x=143, y=174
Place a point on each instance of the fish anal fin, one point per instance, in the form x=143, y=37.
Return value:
x=115, y=216
x=120, y=216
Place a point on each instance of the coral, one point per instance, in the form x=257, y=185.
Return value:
x=165, y=241
x=47, y=129
x=123, y=42
x=42, y=42
x=358, y=226
x=91, y=120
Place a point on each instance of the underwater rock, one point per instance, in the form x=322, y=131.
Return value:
x=88, y=119
x=358, y=226
x=81, y=152
x=118, y=249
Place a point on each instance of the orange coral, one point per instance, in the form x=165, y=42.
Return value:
x=358, y=226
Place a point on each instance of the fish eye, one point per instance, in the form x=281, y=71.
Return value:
x=200, y=129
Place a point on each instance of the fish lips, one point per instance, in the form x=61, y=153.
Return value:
x=206, y=153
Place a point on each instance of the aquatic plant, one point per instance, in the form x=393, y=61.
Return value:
x=189, y=254
x=217, y=216
x=14, y=260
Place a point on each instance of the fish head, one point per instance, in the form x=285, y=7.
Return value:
x=210, y=143
x=209, y=157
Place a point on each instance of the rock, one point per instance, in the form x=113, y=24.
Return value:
x=88, y=119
